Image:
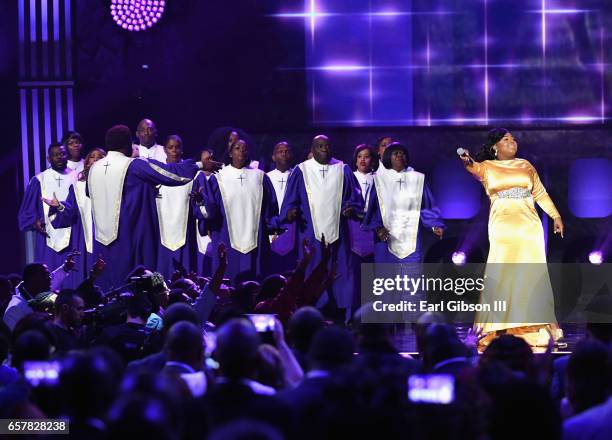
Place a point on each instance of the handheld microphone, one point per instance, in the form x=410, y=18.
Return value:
x=462, y=152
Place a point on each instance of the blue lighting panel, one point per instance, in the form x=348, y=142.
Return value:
x=456, y=62
x=456, y=192
x=589, y=184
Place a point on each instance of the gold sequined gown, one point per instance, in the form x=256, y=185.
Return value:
x=515, y=236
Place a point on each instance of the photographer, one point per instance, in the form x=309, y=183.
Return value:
x=128, y=339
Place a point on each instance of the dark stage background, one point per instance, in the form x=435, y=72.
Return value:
x=435, y=75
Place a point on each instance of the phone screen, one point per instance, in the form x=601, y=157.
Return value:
x=263, y=323
x=431, y=388
x=41, y=373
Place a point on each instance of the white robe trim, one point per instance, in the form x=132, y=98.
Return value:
x=173, y=215
x=106, y=192
x=365, y=185
x=58, y=239
x=279, y=182
x=400, y=209
x=242, y=201
x=76, y=166
x=156, y=152
x=203, y=241
x=84, y=205
x=324, y=196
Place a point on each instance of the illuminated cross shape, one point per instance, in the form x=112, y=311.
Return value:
x=59, y=181
x=241, y=177
x=106, y=165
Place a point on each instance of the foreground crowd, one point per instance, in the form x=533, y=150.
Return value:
x=190, y=360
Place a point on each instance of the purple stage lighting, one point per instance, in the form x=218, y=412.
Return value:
x=137, y=15
x=459, y=258
x=596, y=257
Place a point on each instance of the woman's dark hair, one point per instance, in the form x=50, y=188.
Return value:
x=174, y=137
x=395, y=146
x=380, y=139
x=361, y=147
x=493, y=137
x=71, y=135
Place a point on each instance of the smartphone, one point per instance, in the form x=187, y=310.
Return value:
x=431, y=388
x=263, y=322
x=41, y=373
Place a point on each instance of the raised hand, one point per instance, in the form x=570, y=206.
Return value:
x=98, y=267
x=54, y=203
x=222, y=253
x=70, y=262
x=308, y=251
x=466, y=158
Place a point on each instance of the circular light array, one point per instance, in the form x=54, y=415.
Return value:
x=137, y=15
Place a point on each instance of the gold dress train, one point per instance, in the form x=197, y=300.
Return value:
x=516, y=236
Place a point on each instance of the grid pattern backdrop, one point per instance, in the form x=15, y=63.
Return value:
x=455, y=62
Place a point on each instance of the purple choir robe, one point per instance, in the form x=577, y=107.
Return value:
x=71, y=216
x=255, y=263
x=346, y=289
x=204, y=249
x=429, y=217
x=137, y=238
x=32, y=209
x=284, y=249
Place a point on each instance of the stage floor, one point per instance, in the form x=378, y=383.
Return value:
x=405, y=340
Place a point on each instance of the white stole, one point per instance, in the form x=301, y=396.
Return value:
x=156, y=152
x=106, y=192
x=202, y=240
x=279, y=182
x=366, y=181
x=59, y=183
x=173, y=214
x=76, y=166
x=400, y=208
x=242, y=196
x=324, y=184
x=84, y=205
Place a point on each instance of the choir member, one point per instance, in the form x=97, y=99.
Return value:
x=73, y=142
x=148, y=148
x=52, y=245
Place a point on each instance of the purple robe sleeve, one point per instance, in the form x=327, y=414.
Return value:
x=373, y=218
x=31, y=208
x=213, y=201
x=270, y=205
x=199, y=186
x=351, y=193
x=68, y=216
x=157, y=173
x=430, y=213
x=292, y=193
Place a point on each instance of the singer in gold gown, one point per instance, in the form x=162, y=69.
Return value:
x=515, y=236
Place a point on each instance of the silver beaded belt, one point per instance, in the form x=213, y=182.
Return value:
x=514, y=193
